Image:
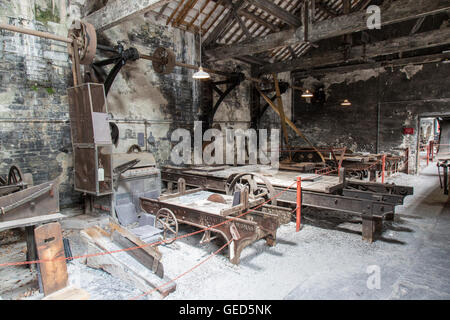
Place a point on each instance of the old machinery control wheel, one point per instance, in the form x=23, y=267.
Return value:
x=166, y=220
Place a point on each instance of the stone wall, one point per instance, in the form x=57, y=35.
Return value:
x=384, y=101
x=35, y=74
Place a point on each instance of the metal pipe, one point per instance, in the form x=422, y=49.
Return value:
x=143, y=56
x=36, y=33
x=185, y=65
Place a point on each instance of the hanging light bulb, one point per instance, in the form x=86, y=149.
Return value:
x=346, y=103
x=307, y=94
x=201, y=74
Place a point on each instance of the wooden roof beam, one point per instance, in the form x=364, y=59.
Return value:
x=116, y=12
x=401, y=10
x=358, y=53
x=277, y=11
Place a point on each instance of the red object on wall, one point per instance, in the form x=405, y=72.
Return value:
x=408, y=130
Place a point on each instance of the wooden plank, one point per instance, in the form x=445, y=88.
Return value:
x=198, y=13
x=425, y=59
x=247, y=33
x=139, y=254
x=359, y=53
x=50, y=246
x=26, y=222
x=257, y=19
x=361, y=5
x=121, y=264
x=290, y=123
x=68, y=293
x=174, y=12
x=325, y=8
x=45, y=199
x=223, y=24
x=401, y=10
x=281, y=110
x=118, y=11
x=189, y=5
x=277, y=11
x=417, y=26
x=151, y=250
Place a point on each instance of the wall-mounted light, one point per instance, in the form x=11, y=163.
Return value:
x=346, y=103
x=307, y=94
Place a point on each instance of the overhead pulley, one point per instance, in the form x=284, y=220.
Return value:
x=86, y=39
x=163, y=60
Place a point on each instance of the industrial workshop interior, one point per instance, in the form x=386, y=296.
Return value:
x=224, y=150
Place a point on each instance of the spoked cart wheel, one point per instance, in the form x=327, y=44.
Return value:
x=166, y=220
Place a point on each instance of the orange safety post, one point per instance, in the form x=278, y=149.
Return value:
x=299, y=202
x=383, y=168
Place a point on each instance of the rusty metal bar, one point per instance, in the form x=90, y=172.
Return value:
x=47, y=35
x=36, y=33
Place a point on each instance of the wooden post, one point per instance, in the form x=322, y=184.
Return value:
x=407, y=161
x=299, y=203
x=372, y=175
x=428, y=154
x=31, y=245
x=383, y=168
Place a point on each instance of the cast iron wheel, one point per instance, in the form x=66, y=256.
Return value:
x=242, y=180
x=14, y=175
x=166, y=220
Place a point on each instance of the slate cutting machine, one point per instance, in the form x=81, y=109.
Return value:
x=235, y=218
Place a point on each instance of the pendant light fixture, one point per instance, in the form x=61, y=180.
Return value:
x=201, y=74
x=307, y=94
x=346, y=103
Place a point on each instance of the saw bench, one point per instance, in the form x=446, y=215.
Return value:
x=211, y=211
x=373, y=202
x=29, y=208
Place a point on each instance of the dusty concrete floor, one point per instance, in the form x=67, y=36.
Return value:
x=326, y=260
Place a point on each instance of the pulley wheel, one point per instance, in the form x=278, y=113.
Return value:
x=86, y=37
x=164, y=60
x=14, y=175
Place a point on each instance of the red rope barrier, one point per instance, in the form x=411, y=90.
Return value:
x=148, y=244
x=184, y=273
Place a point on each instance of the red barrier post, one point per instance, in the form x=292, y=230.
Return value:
x=299, y=202
x=383, y=168
x=432, y=150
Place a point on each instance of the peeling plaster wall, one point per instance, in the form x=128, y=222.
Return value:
x=384, y=101
x=145, y=102
x=35, y=74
